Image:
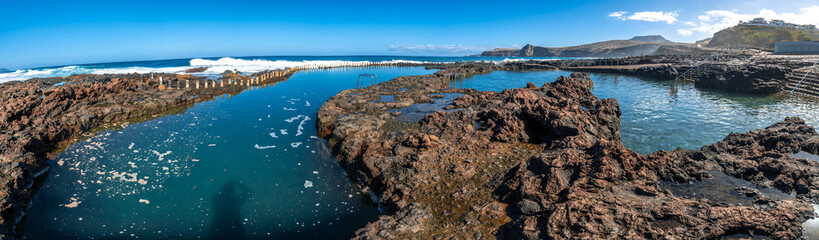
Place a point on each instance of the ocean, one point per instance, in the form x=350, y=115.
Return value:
x=217, y=66
x=251, y=166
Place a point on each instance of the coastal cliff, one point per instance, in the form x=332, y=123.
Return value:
x=546, y=162
x=641, y=45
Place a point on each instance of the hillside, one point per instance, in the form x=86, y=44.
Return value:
x=613, y=48
x=762, y=37
x=650, y=38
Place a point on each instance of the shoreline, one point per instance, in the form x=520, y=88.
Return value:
x=546, y=162
x=38, y=128
x=98, y=91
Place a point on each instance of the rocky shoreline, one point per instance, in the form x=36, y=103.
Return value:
x=451, y=169
x=39, y=117
x=739, y=73
x=546, y=162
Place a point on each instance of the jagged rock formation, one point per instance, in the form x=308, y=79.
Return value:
x=546, y=162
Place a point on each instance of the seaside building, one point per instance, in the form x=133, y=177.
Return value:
x=797, y=47
x=776, y=23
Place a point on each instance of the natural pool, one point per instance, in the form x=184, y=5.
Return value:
x=661, y=115
x=249, y=165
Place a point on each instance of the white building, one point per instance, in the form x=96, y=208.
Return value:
x=777, y=23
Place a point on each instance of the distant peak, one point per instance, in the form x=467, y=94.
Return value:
x=650, y=38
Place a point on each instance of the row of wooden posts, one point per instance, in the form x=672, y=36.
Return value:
x=257, y=78
x=350, y=64
x=209, y=83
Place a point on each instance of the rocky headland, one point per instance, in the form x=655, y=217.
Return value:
x=546, y=162
x=636, y=46
x=38, y=117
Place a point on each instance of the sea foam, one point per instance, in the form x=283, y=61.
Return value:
x=214, y=67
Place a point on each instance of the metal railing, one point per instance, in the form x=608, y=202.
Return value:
x=698, y=65
x=803, y=78
x=360, y=83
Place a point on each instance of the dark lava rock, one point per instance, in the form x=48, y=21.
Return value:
x=553, y=153
x=37, y=117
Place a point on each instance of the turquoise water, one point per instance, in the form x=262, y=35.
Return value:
x=216, y=66
x=246, y=167
x=250, y=166
x=661, y=115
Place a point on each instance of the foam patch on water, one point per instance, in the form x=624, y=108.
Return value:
x=264, y=147
x=300, y=128
x=214, y=67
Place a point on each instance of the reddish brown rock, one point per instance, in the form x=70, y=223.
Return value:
x=37, y=118
x=547, y=163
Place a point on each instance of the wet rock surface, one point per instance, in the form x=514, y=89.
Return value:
x=546, y=162
x=39, y=117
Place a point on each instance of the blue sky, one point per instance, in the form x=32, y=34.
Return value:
x=46, y=33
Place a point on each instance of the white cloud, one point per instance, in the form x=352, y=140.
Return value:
x=618, y=15
x=684, y=32
x=649, y=16
x=432, y=48
x=716, y=20
x=657, y=16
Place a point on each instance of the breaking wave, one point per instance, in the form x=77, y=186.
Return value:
x=215, y=67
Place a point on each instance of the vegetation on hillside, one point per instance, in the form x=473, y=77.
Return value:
x=762, y=37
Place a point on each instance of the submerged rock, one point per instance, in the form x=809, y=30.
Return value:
x=547, y=163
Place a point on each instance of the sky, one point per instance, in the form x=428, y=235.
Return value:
x=49, y=33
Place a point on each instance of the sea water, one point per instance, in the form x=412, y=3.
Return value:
x=245, y=65
x=664, y=115
x=251, y=165
x=246, y=166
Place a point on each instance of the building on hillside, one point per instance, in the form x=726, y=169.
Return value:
x=758, y=21
x=777, y=23
x=797, y=48
x=807, y=27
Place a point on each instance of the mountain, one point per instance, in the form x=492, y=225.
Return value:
x=650, y=38
x=613, y=48
x=761, y=37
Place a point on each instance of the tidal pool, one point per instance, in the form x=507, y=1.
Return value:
x=251, y=165
x=245, y=166
x=662, y=115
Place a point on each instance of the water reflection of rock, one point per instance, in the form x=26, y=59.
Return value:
x=227, y=215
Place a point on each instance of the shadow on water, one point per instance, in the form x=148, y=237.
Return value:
x=227, y=216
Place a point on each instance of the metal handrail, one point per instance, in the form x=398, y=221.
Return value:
x=697, y=65
x=803, y=77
